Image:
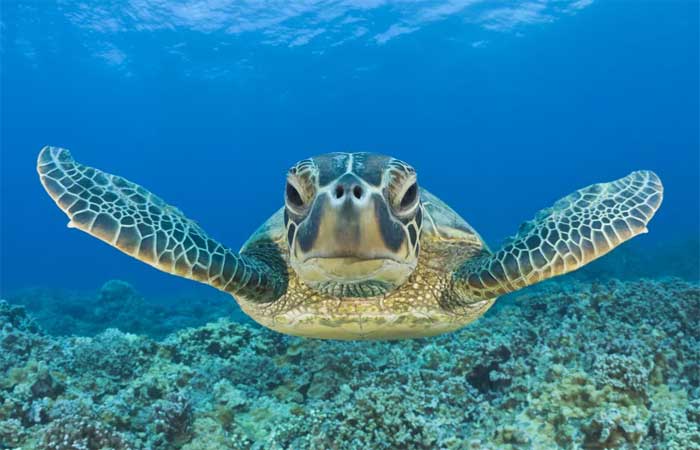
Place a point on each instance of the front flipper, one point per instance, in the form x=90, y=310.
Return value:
x=128, y=217
x=576, y=230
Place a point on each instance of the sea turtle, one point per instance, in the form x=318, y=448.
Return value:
x=358, y=251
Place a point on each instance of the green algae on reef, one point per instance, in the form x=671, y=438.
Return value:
x=614, y=365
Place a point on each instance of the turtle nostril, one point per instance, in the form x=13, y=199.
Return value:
x=344, y=189
x=357, y=192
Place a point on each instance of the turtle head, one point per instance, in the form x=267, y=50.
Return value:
x=353, y=223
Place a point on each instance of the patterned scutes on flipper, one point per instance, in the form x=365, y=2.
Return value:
x=137, y=222
x=576, y=230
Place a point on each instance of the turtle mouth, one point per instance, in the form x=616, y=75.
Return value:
x=349, y=268
x=353, y=276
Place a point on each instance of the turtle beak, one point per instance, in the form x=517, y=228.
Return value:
x=348, y=224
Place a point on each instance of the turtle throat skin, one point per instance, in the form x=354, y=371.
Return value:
x=353, y=223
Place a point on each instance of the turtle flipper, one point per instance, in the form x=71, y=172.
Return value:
x=576, y=230
x=128, y=217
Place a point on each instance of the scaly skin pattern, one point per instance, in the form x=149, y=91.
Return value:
x=579, y=228
x=423, y=306
x=137, y=222
x=414, y=309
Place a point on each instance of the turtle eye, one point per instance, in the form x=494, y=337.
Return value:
x=293, y=196
x=409, y=197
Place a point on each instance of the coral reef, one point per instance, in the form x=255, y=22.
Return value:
x=117, y=304
x=568, y=364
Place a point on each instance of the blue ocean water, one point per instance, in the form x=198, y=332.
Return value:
x=502, y=107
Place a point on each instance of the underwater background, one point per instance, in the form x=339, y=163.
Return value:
x=502, y=107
